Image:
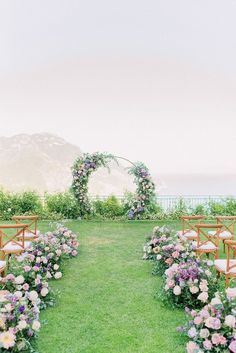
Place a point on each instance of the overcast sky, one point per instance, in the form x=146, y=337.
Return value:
x=148, y=80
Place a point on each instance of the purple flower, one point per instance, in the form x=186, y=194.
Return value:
x=21, y=309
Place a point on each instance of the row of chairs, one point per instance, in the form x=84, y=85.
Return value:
x=16, y=237
x=208, y=237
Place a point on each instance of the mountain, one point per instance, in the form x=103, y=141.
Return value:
x=42, y=162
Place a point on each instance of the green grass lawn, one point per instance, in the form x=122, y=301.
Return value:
x=106, y=302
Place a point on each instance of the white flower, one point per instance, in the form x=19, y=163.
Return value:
x=44, y=292
x=230, y=321
x=33, y=296
x=204, y=333
x=18, y=294
x=7, y=339
x=8, y=307
x=159, y=257
x=19, y=279
x=177, y=290
x=192, y=332
x=203, y=297
x=56, y=267
x=58, y=275
x=36, y=325
x=208, y=273
x=216, y=301
x=194, y=289
x=22, y=325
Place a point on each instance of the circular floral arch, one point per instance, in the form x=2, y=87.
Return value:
x=85, y=165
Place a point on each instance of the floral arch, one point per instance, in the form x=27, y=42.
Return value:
x=88, y=163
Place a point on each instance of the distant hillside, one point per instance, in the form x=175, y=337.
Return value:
x=43, y=162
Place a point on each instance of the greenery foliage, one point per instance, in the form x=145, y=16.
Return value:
x=64, y=205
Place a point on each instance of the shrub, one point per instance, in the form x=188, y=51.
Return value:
x=109, y=208
x=27, y=203
x=63, y=204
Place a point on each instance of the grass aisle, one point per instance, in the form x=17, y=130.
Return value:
x=107, y=300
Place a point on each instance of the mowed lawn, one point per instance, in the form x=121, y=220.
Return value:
x=106, y=302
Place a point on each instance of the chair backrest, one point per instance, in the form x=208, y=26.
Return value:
x=228, y=223
x=202, y=233
x=231, y=251
x=189, y=222
x=30, y=221
x=16, y=229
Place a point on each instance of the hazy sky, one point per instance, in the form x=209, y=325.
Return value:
x=149, y=80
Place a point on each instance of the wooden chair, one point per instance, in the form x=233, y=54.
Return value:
x=189, y=230
x=31, y=233
x=207, y=244
x=227, y=267
x=12, y=244
x=228, y=230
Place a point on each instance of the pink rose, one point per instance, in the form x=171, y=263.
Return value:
x=175, y=254
x=215, y=339
x=213, y=322
x=192, y=347
x=207, y=345
x=232, y=346
x=25, y=286
x=198, y=320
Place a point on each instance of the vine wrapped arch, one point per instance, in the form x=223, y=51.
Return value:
x=88, y=163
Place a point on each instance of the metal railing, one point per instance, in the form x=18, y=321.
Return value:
x=169, y=202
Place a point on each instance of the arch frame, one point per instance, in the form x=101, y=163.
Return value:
x=88, y=163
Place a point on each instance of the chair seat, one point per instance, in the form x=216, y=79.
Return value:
x=207, y=246
x=221, y=265
x=188, y=233
x=222, y=235
x=12, y=247
x=29, y=235
x=2, y=265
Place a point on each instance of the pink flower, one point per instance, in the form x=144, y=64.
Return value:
x=223, y=340
x=25, y=286
x=192, y=347
x=169, y=261
x=175, y=254
x=213, y=322
x=203, y=297
x=207, y=345
x=198, y=320
x=215, y=339
x=232, y=346
x=27, y=268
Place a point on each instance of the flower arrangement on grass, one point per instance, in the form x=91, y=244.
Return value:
x=166, y=248
x=213, y=328
x=159, y=237
x=189, y=283
x=28, y=283
x=19, y=320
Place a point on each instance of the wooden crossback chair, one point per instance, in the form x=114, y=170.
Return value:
x=227, y=267
x=189, y=230
x=31, y=233
x=207, y=244
x=11, y=244
x=228, y=230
